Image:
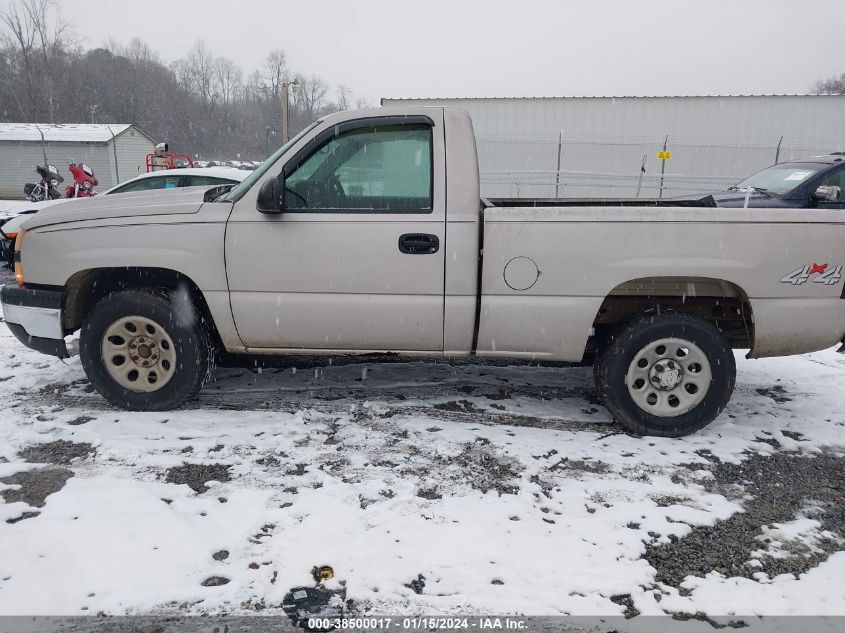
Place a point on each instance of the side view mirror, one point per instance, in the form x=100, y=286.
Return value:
x=828, y=193
x=271, y=196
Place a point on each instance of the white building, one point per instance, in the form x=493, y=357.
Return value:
x=595, y=146
x=116, y=152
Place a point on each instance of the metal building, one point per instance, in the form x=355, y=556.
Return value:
x=116, y=152
x=598, y=146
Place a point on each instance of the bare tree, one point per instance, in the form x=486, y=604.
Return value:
x=831, y=86
x=139, y=51
x=276, y=71
x=36, y=34
x=197, y=74
x=228, y=77
x=50, y=32
x=182, y=71
x=344, y=96
x=312, y=96
x=20, y=42
x=253, y=88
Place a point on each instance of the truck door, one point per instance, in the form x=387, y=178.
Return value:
x=355, y=261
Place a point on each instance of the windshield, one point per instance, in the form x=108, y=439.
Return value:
x=781, y=178
x=237, y=192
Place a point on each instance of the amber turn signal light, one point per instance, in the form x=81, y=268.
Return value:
x=18, y=265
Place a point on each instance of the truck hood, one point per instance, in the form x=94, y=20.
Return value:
x=120, y=205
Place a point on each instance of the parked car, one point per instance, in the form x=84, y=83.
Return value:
x=366, y=233
x=164, y=179
x=177, y=178
x=809, y=183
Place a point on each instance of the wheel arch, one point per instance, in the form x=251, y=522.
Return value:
x=87, y=287
x=721, y=302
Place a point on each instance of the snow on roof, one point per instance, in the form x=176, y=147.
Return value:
x=62, y=133
x=703, y=96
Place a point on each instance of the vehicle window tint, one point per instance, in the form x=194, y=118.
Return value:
x=385, y=169
x=148, y=184
x=203, y=181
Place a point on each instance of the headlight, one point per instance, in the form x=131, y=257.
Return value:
x=18, y=265
x=54, y=182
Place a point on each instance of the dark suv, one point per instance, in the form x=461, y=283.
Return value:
x=810, y=183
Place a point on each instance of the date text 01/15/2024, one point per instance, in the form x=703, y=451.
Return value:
x=417, y=623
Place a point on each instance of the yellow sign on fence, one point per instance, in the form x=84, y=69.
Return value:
x=664, y=155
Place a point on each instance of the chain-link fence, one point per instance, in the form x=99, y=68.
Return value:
x=589, y=168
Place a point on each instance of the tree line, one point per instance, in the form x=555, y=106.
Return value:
x=831, y=86
x=202, y=104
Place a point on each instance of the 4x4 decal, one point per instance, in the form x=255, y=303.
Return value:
x=826, y=274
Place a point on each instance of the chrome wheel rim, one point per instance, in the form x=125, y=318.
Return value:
x=138, y=354
x=669, y=377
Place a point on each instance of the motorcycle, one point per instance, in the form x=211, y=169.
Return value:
x=84, y=181
x=48, y=188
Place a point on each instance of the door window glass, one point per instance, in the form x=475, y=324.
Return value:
x=203, y=181
x=836, y=179
x=368, y=169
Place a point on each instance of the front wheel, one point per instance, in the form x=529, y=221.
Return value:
x=145, y=350
x=666, y=375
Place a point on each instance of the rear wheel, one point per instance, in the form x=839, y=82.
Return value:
x=666, y=375
x=145, y=350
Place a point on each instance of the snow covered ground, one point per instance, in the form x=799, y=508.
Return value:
x=428, y=488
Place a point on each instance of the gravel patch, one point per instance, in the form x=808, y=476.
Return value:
x=781, y=488
x=485, y=469
x=60, y=452
x=82, y=419
x=197, y=475
x=35, y=487
x=459, y=406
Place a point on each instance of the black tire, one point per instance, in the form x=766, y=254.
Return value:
x=184, y=327
x=612, y=366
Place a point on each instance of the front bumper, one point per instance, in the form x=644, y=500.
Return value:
x=35, y=318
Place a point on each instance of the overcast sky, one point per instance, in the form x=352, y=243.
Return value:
x=441, y=48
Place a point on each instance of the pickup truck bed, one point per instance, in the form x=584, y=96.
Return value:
x=601, y=261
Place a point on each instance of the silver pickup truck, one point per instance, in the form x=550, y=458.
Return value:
x=366, y=233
